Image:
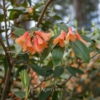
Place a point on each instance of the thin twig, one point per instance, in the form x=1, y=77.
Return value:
x=5, y=20
x=42, y=14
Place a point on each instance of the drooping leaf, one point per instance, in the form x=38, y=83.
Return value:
x=74, y=71
x=58, y=71
x=17, y=49
x=57, y=55
x=19, y=94
x=38, y=69
x=81, y=50
x=87, y=39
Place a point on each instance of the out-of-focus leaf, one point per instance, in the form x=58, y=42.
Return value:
x=62, y=27
x=19, y=94
x=34, y=29
x=19, y=32
x=38, y=69
x=58, y=71
x=74, y=71
x=52, y=14
x=81, y=50
x=45, y=93
x=55, y=95
x=17, y=49
x=57, y=55
x=25, y=57
x=17, y=9
x=87, y=39
x=29, y=1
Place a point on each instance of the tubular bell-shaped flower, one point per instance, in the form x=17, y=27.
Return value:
x=80, y=38
x=60, y=39
x=21, y=40
x=70, y=35
x=44, y=36
x=37, y=46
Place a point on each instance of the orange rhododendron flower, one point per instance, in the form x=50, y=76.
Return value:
x=80, y=38
x=60, y=39
x=70, y=35
x=31, y=50
x=44, y=36
x=37, y=46
x=21, y=40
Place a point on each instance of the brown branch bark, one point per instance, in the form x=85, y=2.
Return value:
x=8, y=74
x=5, y=21
x=42, y=14
x=7, y=79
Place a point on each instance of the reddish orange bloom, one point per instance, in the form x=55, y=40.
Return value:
x=80, y=38
x=37, y=46
x=21, y=40
x=70, y=35
x=44, y=36
x=31, y=50
x=60, y=39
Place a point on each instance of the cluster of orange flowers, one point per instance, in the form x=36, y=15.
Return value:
x=38, y=42
x=33, y=44
x=67, y=36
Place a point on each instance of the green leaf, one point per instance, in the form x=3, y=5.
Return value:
x=5, y=62
x=52, y=14
x=25, y=57
x=34, y=29
x=97, y=50
x=19, y=32
x=45, y=94
x=19, y=70
x=87, y=39
x=62, y=27
x=58, y=71
x=24, y=78
x=19, y=94
x=57, y=55
x=21, y=9
x=74, y=71
x=55, y=95
x=17, y=49
x=81, y=50
x=38, y=69
x=47, y=50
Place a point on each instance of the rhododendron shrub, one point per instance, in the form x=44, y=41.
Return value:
x=45, y=61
